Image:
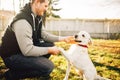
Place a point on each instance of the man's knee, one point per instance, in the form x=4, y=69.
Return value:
x=48, y=67
x=45, y=66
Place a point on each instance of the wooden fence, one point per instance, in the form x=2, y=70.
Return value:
x=98, y=28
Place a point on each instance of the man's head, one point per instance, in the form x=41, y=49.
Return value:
x=39, y=6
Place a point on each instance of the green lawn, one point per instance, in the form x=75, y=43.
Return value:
x=105, y=55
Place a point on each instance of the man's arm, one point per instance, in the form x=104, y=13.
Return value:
x=23, y=32
x=50, y=37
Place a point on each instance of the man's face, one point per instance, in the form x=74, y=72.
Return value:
x=41, y=7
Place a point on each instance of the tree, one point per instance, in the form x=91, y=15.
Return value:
x=51, y=9
x=22, y=3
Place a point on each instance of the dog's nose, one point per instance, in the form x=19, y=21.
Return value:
x=76, y=36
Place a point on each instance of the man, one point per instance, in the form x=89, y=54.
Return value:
x=26, y=47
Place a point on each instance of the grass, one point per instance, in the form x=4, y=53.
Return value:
x=105, y=55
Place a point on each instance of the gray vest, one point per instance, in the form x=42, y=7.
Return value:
x=9, y=45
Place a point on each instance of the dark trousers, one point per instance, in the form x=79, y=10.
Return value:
x=21, y=66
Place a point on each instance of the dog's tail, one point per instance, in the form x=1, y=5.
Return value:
x=101, y=78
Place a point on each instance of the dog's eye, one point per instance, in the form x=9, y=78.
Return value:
x=83, y=35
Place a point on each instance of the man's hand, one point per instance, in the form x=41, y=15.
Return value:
x=53, y=50
x=68, y=39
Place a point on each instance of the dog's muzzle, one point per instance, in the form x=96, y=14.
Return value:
x=76, y=36
x=78, y=41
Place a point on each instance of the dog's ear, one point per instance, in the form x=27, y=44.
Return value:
x=90, y=42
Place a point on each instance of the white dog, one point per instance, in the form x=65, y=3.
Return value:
x=78, y=56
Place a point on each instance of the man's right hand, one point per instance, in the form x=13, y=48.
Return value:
x=53, y=50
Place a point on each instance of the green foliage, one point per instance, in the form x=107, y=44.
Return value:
x=50, y=13
x=52, y=9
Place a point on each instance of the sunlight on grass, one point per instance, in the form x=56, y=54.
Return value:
x=105, y=55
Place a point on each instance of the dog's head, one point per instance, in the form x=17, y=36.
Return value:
x=83, y=37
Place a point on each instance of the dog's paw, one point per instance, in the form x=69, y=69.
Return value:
x=61, y=49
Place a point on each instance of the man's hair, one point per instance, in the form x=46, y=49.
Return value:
x=41, y=1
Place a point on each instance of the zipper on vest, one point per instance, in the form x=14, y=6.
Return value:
x=33, y=21
x=40, y=21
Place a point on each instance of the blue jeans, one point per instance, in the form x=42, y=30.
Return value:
x=21, y=66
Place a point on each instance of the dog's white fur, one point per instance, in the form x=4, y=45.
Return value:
x=79, y=58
